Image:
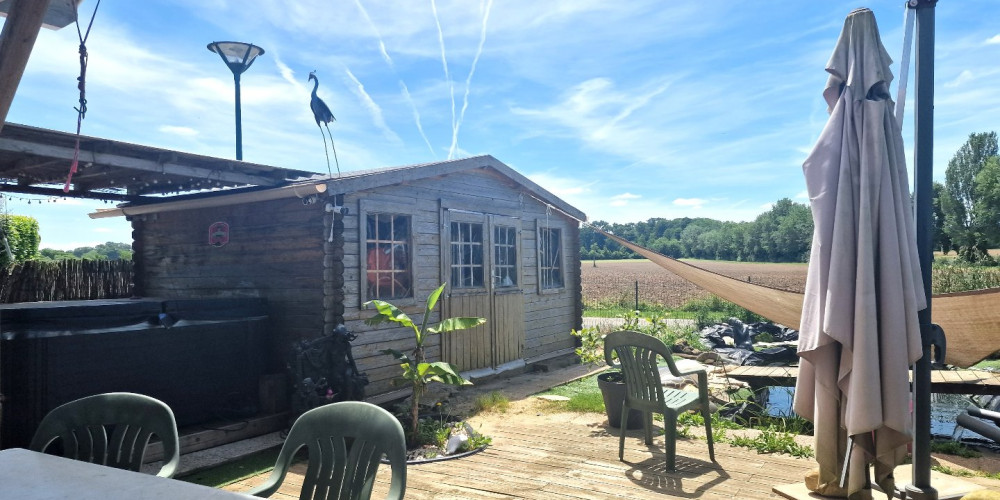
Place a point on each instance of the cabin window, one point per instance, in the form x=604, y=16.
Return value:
x=389, y=269
x=504, y=256
x=467, y=267
x=550, y=268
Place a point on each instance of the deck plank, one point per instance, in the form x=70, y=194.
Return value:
x=563, y=456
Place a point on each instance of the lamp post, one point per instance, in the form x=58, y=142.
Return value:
x=238, y=56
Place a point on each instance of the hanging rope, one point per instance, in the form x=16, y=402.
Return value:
x=81, y=111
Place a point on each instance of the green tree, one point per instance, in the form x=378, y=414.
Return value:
x=50, y=254
x=20, y=239
x=941, y=240
x=959, y=207
x=114, y=251
x=987, y=207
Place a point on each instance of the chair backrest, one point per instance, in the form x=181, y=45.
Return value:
x=638, y=357
x=346, y=442
x=82, y=429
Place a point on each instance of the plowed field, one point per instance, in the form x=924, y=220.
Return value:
x=615, y=280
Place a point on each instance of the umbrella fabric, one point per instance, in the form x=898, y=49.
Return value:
x=859, y=327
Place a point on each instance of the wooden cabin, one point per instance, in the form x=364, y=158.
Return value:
x=317, y=250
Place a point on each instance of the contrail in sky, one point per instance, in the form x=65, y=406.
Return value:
x=416, y=117
x=392, y=66
x=468, y=81
x=373, y=108
x=447, y=77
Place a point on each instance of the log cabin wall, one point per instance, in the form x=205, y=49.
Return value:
x=276, y=250
x=547, y=315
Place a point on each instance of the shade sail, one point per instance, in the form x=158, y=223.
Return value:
x=970, y=320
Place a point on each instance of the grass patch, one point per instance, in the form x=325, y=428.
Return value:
x=944, y=469
x=586, y=402
x=954, y=448
x=706, y=311
x=584, y=396
x=772, y=440
x=226, y=474
x=713, y=309
x=989, y=364
x=494, y=402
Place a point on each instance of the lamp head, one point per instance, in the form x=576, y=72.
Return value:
x=238, y=56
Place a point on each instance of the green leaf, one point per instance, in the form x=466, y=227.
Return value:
x=431, y=303
x=398, y=355
x=453, y=324
x=387, y=312
x=441, y=371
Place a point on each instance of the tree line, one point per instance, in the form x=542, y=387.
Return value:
x=966, y=220
x=782, y=234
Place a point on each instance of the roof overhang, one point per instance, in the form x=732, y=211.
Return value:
x=37, y=161
x=299, y=190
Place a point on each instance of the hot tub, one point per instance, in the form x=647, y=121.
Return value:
x=202, y=357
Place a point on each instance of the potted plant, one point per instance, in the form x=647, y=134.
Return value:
x=611, y=383
x=417, y=372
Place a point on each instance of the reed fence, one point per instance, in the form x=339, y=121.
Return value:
x=32, y=280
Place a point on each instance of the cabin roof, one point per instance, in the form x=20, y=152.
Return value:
x=348, y=182
x=369, y=179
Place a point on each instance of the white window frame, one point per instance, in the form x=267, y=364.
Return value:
x=366, y=208
x=560, y=258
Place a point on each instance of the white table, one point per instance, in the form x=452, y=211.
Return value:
x=30, y=475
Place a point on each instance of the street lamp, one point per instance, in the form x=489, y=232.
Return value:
x=238, y=56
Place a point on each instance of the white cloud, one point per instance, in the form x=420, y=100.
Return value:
x=620, y=200
x=802, y=195
x=175, y=130
x=690, y=202
x=994, y=40
x=373, y=108
x=964, y=77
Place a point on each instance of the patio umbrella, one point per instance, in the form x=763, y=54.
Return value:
x=859, y=327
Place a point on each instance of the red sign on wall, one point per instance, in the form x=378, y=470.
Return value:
x=218, y=234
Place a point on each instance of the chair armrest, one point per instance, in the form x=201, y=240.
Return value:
x=268, y=487
x=699, y=371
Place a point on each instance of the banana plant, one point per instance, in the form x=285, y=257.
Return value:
x=416, y=371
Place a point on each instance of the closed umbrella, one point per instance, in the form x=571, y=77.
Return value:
x=859, y=328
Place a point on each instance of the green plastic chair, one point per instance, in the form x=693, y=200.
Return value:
x=81, y=428
x=346, y=442
x=638, y=356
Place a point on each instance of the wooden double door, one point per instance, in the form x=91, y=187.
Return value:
x=481, y=261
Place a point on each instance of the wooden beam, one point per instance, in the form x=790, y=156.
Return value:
x=113, y=160
x=24, y=20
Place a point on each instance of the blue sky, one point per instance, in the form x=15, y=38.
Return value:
x=627, y=110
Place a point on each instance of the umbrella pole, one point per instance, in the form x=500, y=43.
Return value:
x=921, y=489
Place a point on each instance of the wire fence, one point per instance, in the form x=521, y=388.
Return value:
x=618, y=294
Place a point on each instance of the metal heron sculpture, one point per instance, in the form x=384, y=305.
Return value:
x=323, y=116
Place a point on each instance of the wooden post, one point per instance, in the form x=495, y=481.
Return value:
x=24, y=20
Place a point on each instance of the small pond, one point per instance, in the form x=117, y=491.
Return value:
x=944, y=409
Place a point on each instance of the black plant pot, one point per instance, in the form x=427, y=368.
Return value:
x=612, y=385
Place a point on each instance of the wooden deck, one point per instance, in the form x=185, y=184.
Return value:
x=942, y=381
x=541, y=455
